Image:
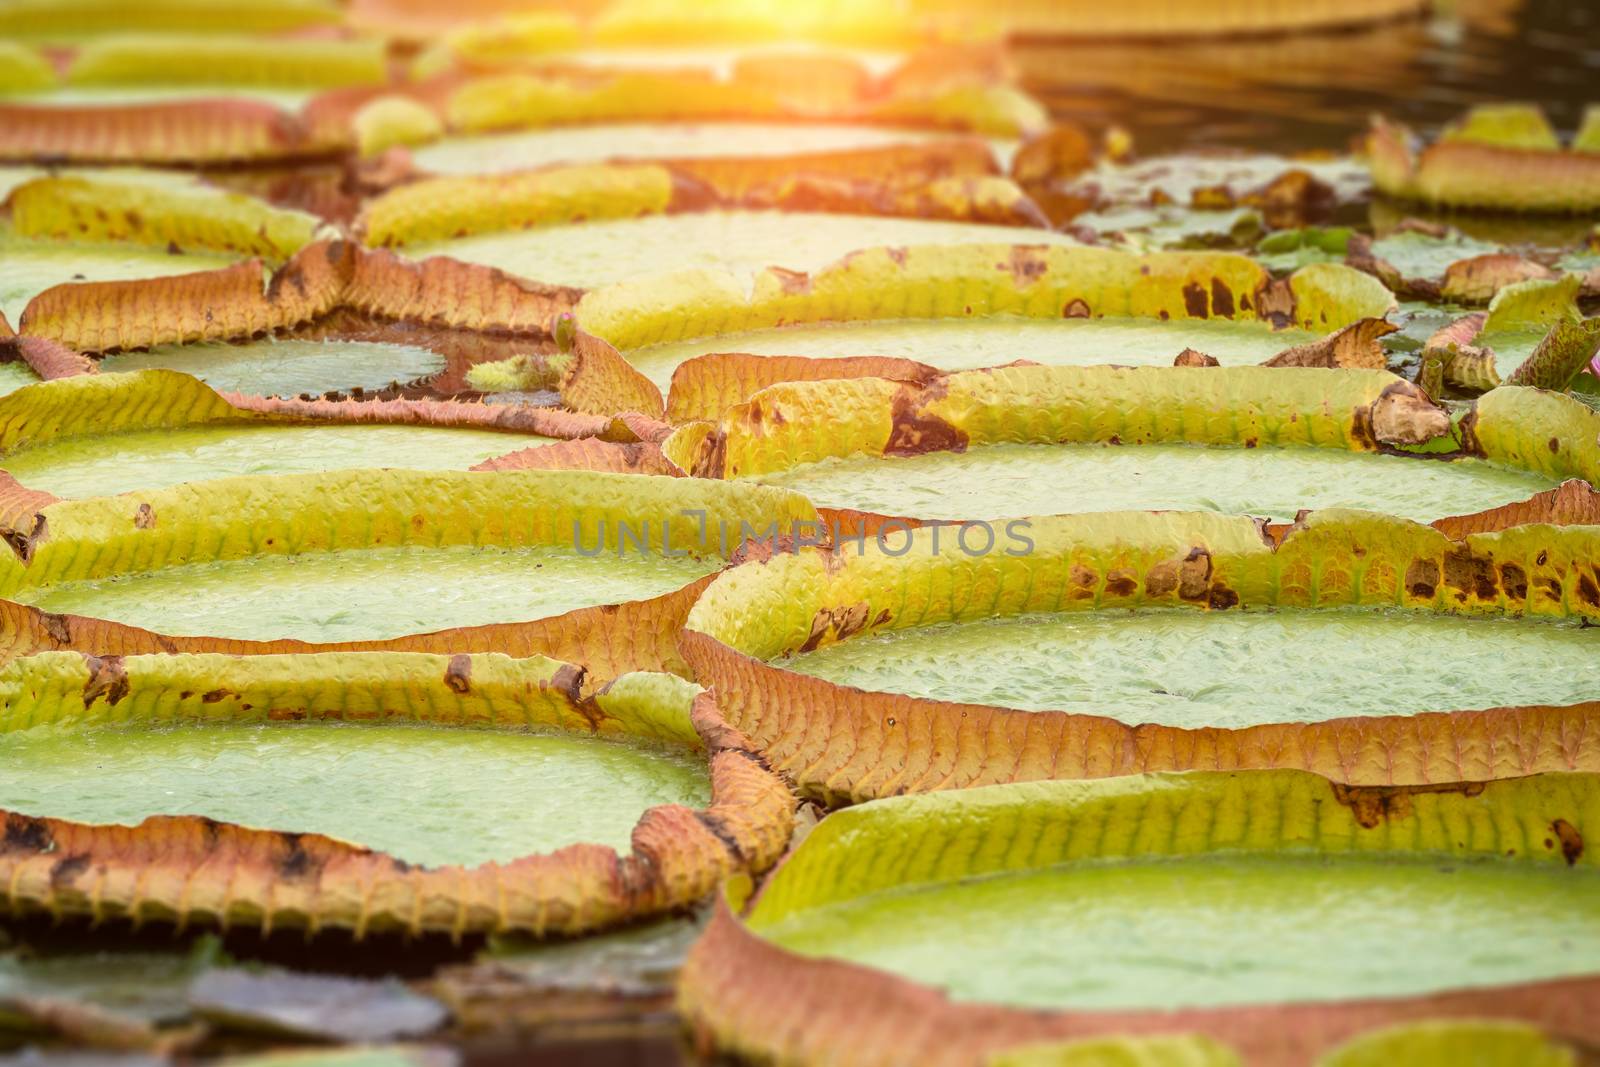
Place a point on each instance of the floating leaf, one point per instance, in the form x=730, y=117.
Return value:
x=596, y=555
x=1015, y=441
x=218, y=710
x=868, y=616
x=969, y=305
x=964, y=925
x=1502, y=158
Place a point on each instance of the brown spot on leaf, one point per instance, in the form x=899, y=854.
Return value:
x=66, y=870
x=1275, y=303
x=1555, y=444
x=794, y=282
x=25, y=834
x=1514, y=580
x=1121, y=583
x=914, y=431
x=108, y=678
x=1588, y=592
x=1028, y=263
x=1191, y=358
x=1077, y=308
x=729, y=839
x=1194, y=301
x=1422, y=578
x=1222, y=598
x=216, y=695
x=145, y=518
x=1221, y=299
x=710, y=455
x=56, y=626
x=568, y=679
x=1571, y=840
x=297, y=862
x=1470, y=575
x=842, y=622
x=458, y=674
x=1372, y=804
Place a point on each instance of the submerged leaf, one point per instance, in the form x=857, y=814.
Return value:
x=318, y=1007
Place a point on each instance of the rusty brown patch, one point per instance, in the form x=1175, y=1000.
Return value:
x=215, y=695
x=1221, y=299
x=1275, y=303
x=1571, y=840
x=25, y=834
x=65, y=871
x=568, y=679
x=1372, y=804
x=1470, y=575
x=1422, y=578
x=913, y=430
x=1121, y=583
x=108, y=678
x=1514, y=580
x=1588, y=592
x=458, y=674
x=710, y=455
x=1194, y=301
x=1194, y=576
x=145, y=518
x=1077, y=308
x=842, y=622
x=1191, y=358
x=793, y=282
x=297, y=862
x=1028, y=263
x=1083, y=581
x=57, y=627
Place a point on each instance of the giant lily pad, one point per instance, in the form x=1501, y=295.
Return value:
x=289, y=366
x=889, y=664
x=1502, y=156
x=952, y=308
x=121, y=226
x=183, y=787
x=1014, y=441
x=953, y=927
x=528, y=560
x=29, y=267
x=333, y=319
x=499, y=152
x=94, y=435
x=593, y=254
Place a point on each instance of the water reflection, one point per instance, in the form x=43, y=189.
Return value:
x=1297, y=92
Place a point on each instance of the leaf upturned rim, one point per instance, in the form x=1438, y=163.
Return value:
x=242, y=517
x=743, y=993
x=842, y=744
x=187, y=869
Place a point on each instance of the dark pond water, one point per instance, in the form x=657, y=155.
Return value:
x=1295, y=93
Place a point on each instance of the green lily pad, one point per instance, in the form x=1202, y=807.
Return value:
x=965, y=344
x=278, y=367
x=1215, y=930
x=1193, y=669
x=1421, y=255
x=592, y=254
x=1274, y=483
x=14, y=376
x=525, y=150
x=428, y=795
x=288, y=99
x=28, y=267
x=155, y=459
x=368, y=593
